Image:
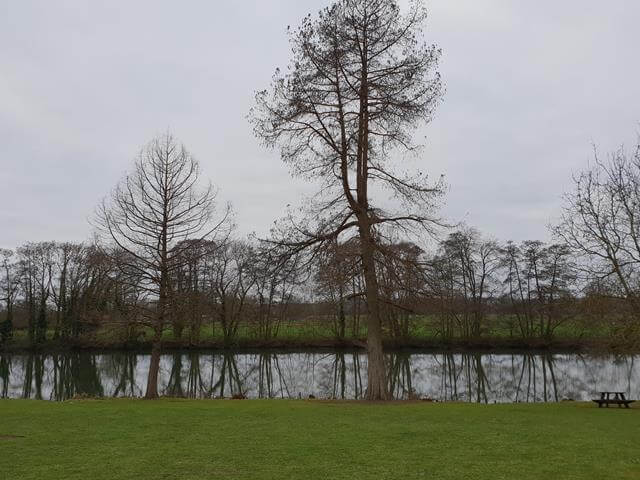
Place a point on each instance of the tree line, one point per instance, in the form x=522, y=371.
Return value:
x=59, y=291
x=467, y=286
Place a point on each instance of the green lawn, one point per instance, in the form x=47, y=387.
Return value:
x=280, y=439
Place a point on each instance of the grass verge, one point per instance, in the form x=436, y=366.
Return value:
x=287, y=439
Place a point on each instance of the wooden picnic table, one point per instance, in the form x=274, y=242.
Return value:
x=617, y=398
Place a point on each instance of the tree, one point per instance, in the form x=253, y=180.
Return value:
x=359, y=81
x=189, y=288
x=36, y=276
x=9, y=286
x=73, y=276
x=274, y=283
x=148, y=216
x=538, y=285
x=402, y=284
x=229, y=282
x=601, y=223
x=468, y=265
x=334, y=274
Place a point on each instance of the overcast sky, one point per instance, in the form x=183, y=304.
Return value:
x=84, y=84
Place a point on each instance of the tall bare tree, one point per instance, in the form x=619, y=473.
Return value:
x=360, y=80
x=601, y=222
x=149, y=215
x=36, y=275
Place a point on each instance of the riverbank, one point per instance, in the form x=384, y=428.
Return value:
x=293, y=344
x=571, y=337
x=280, y=439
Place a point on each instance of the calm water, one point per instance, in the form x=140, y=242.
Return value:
x=472, y=377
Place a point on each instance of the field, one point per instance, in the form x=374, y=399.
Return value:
x=281, y=439
x=499, y=332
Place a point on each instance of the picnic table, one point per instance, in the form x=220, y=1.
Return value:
x=617, y=398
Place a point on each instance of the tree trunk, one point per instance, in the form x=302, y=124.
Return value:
x=341, y=320
x=154, y=366
x=376, y=374
x=154, y=363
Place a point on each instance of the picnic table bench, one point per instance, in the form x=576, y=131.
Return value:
x=616, y=398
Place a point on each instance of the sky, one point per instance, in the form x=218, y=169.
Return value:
x=530, y=88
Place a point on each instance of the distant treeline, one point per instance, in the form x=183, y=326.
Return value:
x=469, y=287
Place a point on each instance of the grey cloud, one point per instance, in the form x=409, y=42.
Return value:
x=83, y=85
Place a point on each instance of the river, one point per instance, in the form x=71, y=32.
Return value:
x=444, y=376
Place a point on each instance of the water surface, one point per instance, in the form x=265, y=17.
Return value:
x=469, y=377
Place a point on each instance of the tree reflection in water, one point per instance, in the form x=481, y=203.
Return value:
x=471, y=377
x=5, y=372
x=122, y=367
x=229, y=378
x=399, y=375
x=462, y=377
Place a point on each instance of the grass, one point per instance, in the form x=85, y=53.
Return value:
x=424, y=332
x=286, y=439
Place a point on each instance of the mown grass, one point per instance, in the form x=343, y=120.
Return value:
x=282, y=439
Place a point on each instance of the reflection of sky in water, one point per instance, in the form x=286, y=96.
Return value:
x=465, y=377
